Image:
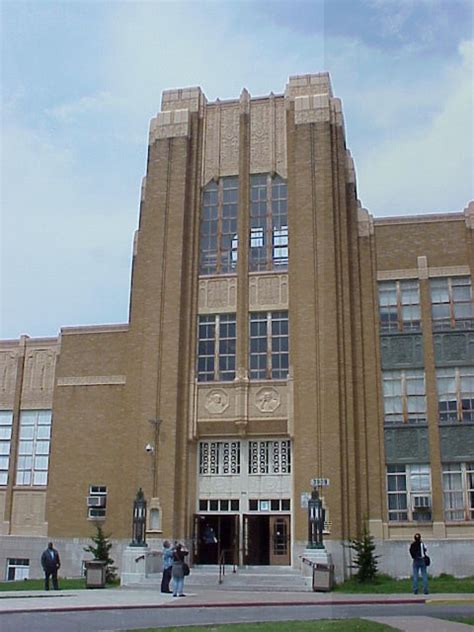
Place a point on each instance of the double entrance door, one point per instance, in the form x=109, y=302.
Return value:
x=250, y=539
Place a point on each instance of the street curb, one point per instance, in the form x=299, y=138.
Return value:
x=238, y=604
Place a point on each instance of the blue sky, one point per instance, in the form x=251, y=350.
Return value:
x=81, y=80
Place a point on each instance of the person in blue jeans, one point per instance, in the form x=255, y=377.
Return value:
x=167, y=566
x=179, y=553
x=418, y=552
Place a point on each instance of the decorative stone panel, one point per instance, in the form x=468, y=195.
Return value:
x=268, y=400
x=211, y=144
x=217, y=295
x=402, y=351
x=29, y=513
x=406, y=445
x=38, y=378
x=268, y=292
x=280, y=138
x=8, y=371
x=262, y=131
x=229, y=140
x=454, y=348
x=457, y=442
x=217, y=401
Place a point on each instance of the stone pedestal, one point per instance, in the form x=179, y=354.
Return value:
x=138, y=562
x=313, y=556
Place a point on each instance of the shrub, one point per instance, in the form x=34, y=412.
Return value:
x=100, y=550
x=365, y=560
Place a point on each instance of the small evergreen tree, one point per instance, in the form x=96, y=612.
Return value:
x=365, y=560
x=100, y=550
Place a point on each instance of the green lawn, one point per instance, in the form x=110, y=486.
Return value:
x=38, y=584
x=383, y=584
x=322, y=625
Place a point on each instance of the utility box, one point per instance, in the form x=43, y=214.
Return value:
x=323, y=577
x=95, y=573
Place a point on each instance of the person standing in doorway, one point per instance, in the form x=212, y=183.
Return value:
x=179, y=554
x=51, y=563
x=167, y=566
x=418, y=552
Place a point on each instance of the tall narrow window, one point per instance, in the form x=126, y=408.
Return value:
x=216, y=348
x=268, y=223
x=6, y=421
x=409, y=492
x=451, y=303
x=33, y=447
x=219, y=241
x=458, y=490
x=399, y=306
x=404, y=396
x=268, y=345
x=455, y=394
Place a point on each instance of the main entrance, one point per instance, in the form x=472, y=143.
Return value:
x=216, y=538
x=266, y=540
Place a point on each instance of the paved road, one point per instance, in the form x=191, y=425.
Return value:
x=134, y=608
x=126, y=619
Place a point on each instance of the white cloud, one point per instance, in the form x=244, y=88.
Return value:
x=430, y=169
x=86, y=105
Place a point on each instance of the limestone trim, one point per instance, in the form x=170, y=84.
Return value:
x=317, y=83
x=422, y=273
x=469, y=215
x=92, y=380
x=170, y=124
x=313, y=108
x=95, y=329
x=419, y=219
x=365, y=222
x=449, y=271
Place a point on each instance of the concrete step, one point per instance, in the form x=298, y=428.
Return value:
x=246, y=578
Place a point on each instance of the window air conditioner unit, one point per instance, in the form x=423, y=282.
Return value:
x=96, y=501
x=421, y=502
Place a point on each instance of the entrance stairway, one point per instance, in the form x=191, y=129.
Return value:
x=246, y=578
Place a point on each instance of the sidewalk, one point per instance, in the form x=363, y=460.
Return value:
x=129, y=598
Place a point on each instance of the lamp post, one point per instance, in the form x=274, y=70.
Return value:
x=139, y=520
x=156, y=423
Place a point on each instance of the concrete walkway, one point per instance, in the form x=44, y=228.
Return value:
x=129, y=598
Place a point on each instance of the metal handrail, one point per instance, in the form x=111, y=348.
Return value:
x=222, y=562
x=307, y=561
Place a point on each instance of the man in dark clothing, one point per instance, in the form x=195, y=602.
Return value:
x=50, y=562
x=418, y=552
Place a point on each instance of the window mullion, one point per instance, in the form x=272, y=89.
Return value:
x=220, y=204
x=399, y=307
x=269, y=345
x=216, y=347
x=458, y=395
x=404, y=398
x=269, y=226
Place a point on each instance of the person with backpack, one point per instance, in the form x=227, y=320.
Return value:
x=419, y=557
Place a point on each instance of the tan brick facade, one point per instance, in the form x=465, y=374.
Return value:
x=114, y=389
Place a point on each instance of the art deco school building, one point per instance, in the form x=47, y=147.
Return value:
x=277, y=333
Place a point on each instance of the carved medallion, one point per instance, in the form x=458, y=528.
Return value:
x=267, y=400
x=217, y=401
